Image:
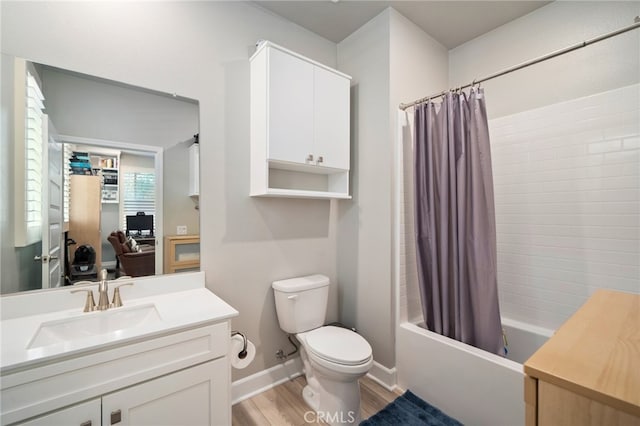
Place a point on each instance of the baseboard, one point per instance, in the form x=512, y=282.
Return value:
x=264, y=380
x=385, y=377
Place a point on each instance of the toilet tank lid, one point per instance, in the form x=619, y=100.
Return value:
x=293, y=285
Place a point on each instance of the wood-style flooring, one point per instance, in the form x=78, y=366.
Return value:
x=283, y=405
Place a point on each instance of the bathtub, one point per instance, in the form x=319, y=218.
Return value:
x=476, y=387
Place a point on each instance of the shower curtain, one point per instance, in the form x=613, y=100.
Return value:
x=455, y=221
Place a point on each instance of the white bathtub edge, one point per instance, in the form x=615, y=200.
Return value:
x=547, y=332
x=495, y=359
x=468, y=384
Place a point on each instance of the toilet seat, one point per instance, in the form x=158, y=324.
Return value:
x=338, y=346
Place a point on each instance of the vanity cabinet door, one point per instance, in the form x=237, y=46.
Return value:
x=196, y=396
x=85, y=414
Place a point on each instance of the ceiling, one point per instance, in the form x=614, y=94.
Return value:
x=452, y=23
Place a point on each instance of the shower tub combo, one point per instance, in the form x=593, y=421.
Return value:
x=474, y=386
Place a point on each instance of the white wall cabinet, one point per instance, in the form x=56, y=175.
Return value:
x=300, y=125
x=331, y=119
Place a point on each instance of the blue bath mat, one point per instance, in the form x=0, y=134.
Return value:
x=409, y=410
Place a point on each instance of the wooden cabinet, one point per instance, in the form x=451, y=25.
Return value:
x=300, y=125
x=84, y=213
x=588, y=373
x=182, y=253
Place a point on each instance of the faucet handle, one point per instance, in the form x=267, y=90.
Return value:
x=90, y=303
x=117, y=301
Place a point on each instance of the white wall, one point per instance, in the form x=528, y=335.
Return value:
x=565, y=156
x=364, y=238
x=92, y=108
x=18, y=271
x=9, y=276
x=390, y=60
x=200, y=50
x=597, y=68
x=419, y=67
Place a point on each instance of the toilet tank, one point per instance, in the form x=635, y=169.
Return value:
x=301, y=303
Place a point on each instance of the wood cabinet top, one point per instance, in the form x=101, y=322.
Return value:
x=596, y=353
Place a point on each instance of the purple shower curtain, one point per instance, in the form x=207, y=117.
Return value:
x=455, y=221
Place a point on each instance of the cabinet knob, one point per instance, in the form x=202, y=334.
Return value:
x=320, y=160
x=87, y=423
x=310, y=158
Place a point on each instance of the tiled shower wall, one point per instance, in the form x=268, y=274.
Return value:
x=567, y=195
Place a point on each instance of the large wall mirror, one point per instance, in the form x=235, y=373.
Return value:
x=97, y=175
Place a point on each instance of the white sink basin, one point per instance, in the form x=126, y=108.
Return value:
x=93, y=324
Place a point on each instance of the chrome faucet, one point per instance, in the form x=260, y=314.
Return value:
x=103, y=291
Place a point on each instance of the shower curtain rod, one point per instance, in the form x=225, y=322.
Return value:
x=585, y=43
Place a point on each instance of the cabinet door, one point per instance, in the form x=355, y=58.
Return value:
x=85, y=209
x=194, y=169
x=331, y=119
x=85, y=414
x=290, y=108
x=196, y=396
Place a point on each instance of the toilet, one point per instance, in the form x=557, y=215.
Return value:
x=334, y=358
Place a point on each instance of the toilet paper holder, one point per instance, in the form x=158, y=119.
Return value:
x=243, y=353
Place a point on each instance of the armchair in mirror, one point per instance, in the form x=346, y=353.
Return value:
x=100, y=177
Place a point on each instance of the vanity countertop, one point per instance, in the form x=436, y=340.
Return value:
x=163, y=305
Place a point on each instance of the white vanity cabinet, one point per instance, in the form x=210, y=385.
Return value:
x=181, y=378
x=186, y=398
x=300, y=121
x=84, y=414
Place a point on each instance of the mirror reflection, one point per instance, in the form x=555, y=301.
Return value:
x=105, y=176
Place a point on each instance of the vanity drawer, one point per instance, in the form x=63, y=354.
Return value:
x=62, y=383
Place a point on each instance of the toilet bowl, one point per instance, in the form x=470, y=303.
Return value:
x=334, y=358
